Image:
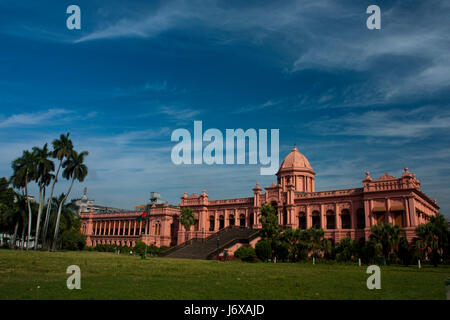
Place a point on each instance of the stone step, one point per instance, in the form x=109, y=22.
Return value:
x=200, y=249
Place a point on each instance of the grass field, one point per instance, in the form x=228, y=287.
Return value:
x=109, y=276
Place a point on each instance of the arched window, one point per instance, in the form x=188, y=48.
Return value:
x=360, y=219
x=251, y=220
x=221, y=222
x=346, y=219
x=231, y=220
x=331, y=220
x=157, y=228
x=195, y=221
x=302, y=220
x=242, y=220
x=211, y=223
x=285, y=218
x=315, y=219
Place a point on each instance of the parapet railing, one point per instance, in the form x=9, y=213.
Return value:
x=332, y=193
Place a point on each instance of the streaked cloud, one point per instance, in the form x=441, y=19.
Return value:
x=34, y=118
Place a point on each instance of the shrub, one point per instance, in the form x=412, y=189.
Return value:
x=139, y=248
x=245, y=254
x=345, y=250
x=73, y=240
x=281, y=250
x=263, y=250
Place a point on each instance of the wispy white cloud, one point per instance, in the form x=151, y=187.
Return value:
x=321, y=34
x=34, y=118
x=416, y=123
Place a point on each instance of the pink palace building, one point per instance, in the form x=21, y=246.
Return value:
x=341, y=213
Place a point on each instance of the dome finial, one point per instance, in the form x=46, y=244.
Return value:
x=295, y=147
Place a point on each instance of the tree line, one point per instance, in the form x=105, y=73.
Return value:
x=386, y=245
x=18, y=211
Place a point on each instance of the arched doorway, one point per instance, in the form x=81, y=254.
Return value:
x=221, y=222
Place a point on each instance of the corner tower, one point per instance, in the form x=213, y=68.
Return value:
x=295, y=170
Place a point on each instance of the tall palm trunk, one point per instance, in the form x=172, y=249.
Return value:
x=13, y=241
x=22, y=242
x=61, y=204
x=49, y=205
x=29, y=212
x=41, y=205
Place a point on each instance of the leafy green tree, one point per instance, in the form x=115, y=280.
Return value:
x=8, y=222
x=316, y=237
x=440, y=229
x=346, y=249
x=405, y=251
x=263, y=250
x=73, y=240
x=139, y=247
x=386, y=235
x=292, y=238
x=269, y=221
x=281, y=250
x=304, y=244
x=75, y=169
x=329, y=249
x=187, y=219
x=433, y=239
x=372, y=252
x=62, y=150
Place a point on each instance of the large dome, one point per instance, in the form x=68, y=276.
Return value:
x=295, y=160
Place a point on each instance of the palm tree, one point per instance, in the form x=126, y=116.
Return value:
x=19, y=216
x=292, y=238
x=317, y=241
x=62, y=149
x=43, y=179
x=75, y=169
x=187, y=219
x=386, y=235
x=441, y=232
x=24, y=171
x=433, y=238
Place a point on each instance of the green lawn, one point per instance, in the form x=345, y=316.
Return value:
x=109, y=276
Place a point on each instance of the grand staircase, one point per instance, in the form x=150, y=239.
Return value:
x=207, y=248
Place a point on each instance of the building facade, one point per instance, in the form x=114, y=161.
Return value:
x=340, y=213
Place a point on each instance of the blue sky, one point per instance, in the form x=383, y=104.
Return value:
x=352, y=99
